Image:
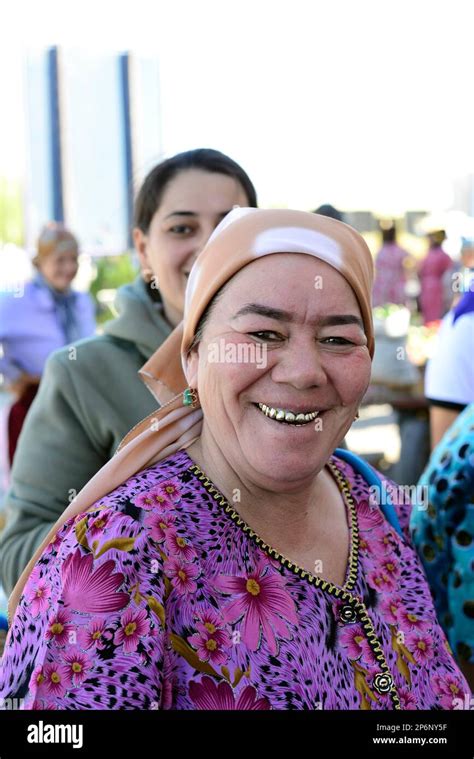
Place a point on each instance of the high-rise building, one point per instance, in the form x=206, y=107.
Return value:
x=93, y=132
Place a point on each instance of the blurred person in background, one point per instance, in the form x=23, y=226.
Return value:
x=431, y=273
x=449, y=377
x=390, y=268
x=328, y=210
x=48, y=316
x=461, y=278
x=442, y=528
x=467, y=253
x=85, y=406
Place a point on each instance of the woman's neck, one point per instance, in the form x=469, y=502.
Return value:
x=289, y=518
x=171, y=314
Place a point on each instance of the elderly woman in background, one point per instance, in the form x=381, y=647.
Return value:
x=226, y=557
x=48, y=316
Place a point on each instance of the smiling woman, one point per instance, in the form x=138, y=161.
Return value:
x=229, y=556
x=310, y=355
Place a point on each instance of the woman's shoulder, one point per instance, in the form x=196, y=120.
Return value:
x=119, y=523
x=104, y=350
x=164, y=476
x=84, y=300
x=22, y=297
x=117, y=527
x=373, y=489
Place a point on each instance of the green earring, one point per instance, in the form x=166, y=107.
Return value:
x=190, y=397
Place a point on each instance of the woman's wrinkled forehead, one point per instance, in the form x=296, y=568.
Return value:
x=248, y=234
x=294, y=289
x=278, y=240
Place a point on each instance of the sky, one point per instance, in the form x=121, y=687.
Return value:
x=363, y=104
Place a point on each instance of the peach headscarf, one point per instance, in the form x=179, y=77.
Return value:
x=243, y=236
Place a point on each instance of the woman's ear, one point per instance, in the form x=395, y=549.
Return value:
x=192, y=367
x=140, y=242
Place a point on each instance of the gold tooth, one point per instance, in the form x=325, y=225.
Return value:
x=287, y=416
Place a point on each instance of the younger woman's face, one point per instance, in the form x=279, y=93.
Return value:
x=193, y=204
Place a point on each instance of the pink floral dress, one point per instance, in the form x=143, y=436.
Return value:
x=161, y=597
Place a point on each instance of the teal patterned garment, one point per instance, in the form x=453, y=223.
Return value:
x=444, y=532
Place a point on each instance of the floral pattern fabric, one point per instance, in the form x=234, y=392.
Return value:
x=161, y=597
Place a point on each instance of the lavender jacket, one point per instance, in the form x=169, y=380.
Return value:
x=30, y=329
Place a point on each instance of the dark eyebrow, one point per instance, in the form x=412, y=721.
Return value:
x=181, y=213
x=332, y=321
x=192, y=213
x=286, y=316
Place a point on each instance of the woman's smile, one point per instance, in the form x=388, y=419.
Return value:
x=286, y=418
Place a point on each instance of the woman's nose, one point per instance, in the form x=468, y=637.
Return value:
x=300, y=365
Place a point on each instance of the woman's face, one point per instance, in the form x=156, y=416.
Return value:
x=193, y=204
x=286, y=332
x=59, y=268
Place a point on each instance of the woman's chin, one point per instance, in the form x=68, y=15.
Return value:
x=285, y=464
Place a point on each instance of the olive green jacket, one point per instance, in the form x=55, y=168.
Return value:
x=88, y=399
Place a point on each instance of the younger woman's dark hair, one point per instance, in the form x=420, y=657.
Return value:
x=151, y=192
